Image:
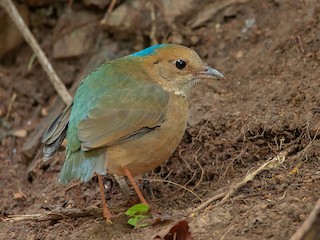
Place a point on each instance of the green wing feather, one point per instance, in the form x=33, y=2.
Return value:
x=117, y=119
x=110, y=107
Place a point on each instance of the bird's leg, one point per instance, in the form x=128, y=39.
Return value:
x=135, y=186
x=123, y=185
x=147, y=185
x=106, y=213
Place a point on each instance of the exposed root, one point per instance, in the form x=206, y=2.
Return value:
x=271, y=164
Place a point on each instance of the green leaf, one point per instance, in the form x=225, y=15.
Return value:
x=138, y=209
x=138, y=221
x=138, y=213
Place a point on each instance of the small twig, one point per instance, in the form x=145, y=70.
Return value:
x=310, y=229
x=25, y=31
x=153, y=29
x=111, y=6
x=310, y=143
x=176, y=184
x=273, y=163
x=188, y=166
x=200, y=166
x=110, y=9
x=230, y=164
x=76, y=184
x=22, y=194
x=12, y=99
x=227, y=231
x=283, y=196
x=55, y=215
x=298, y=39
x=207, y=203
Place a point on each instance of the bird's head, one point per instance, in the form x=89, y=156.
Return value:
x=176, y=68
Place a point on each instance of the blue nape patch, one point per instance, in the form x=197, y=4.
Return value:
x=148, y=51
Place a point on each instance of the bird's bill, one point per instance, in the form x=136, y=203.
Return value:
x=211, y=72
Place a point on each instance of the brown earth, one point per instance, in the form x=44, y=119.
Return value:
x=269, y=103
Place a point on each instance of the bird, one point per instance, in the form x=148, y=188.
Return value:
x=128, y=116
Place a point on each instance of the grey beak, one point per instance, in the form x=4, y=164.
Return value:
x=212, y=72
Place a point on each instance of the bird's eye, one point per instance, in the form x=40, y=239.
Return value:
x=180, y=64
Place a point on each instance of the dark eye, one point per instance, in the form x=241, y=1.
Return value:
x=180, y=64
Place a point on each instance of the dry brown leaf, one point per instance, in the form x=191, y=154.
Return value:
x=19, y=196
x=179, y=231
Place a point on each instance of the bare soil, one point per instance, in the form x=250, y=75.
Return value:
x=269, y=102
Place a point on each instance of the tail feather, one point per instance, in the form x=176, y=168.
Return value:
x=82, y=165
x=50, y=149
x=55, y=134
x=79, y=165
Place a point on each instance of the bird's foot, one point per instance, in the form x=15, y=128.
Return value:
x=107, y=216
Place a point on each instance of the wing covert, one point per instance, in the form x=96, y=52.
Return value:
x=121, y=115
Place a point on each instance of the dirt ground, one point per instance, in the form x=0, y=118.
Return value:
x=269, y=103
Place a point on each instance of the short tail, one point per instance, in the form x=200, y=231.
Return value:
x=55, y=134
x=80, y=165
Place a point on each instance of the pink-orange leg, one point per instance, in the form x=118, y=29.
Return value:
x=106, y=213
x=135, y=186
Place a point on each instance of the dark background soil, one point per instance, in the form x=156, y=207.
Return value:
x=269, y=102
